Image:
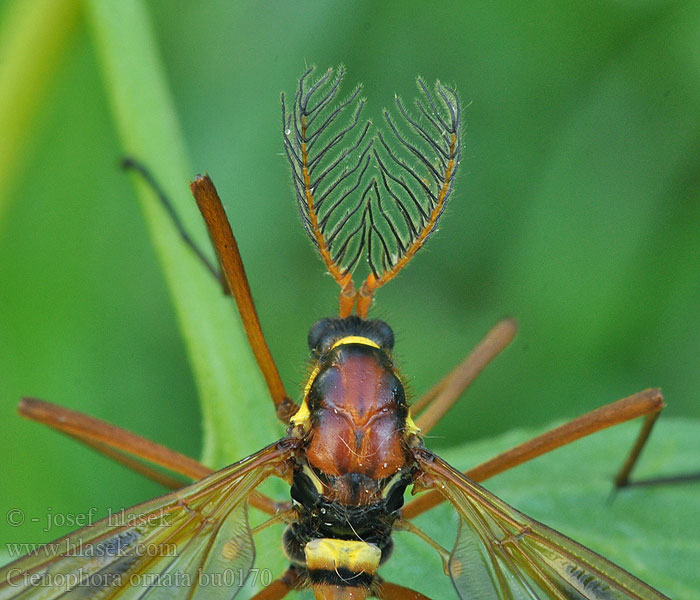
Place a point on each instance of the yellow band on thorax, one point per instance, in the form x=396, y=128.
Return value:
x=355, y=339
x=411, y=427
x=302, y=416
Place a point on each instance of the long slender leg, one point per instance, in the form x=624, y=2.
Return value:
x=226, y=248
x=392, y=591
x=665, y=480
x=122, y=445
x=278, y=589
x=405, y=525
x=134, y=464
x=647, y=404
x=622, y=479
x=440, y=398
x=231, y=276
x=133, y=164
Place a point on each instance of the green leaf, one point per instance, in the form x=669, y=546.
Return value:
x=229, y=383
x=651, y=532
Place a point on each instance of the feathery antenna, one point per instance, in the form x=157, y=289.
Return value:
x=388, y=218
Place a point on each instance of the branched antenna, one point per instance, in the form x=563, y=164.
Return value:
x=328, y=166
x=416, y=177
x=389, y=218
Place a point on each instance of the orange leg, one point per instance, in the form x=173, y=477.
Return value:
x=127, y=448
x=647, y=404
x=391, y=591
x=226, y=248
x=231, y=274
x=278, y=589
x=440, y=398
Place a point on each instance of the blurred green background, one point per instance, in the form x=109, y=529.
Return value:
x=576, y=210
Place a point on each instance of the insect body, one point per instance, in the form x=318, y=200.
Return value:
x=350, y=481
x=351, y=448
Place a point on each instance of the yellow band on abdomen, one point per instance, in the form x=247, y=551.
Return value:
x=331, y=554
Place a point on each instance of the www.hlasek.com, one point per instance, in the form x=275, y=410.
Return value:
x=175, y=579
x=119, y=546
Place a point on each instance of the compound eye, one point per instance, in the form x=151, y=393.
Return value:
x=383, y=334
x=319, y=333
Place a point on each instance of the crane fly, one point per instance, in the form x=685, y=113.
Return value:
x=353, y=446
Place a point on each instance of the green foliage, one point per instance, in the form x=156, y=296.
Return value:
x=33, y=38
x=223, y=366
x=576, y=210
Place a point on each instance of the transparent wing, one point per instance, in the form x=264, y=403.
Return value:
x=501, y=553
x=194, y=543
